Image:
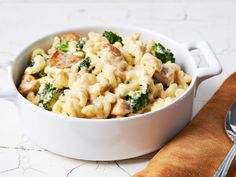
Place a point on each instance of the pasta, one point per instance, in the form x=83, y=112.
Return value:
x=102, y=76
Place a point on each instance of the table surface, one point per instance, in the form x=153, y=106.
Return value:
x=23, y=21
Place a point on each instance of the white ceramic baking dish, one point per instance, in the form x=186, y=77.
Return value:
x=110, y=139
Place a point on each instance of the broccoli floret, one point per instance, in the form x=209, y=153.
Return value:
x=84, y=63
x=138, y=99
x=63, y=46
x=40, y=74
x=162, y=53
x=91, y=69
x=32, y=62
x=49, y=95
x=127, y=82
x=80, y=44
x=112, y=37
x=155, y=81
x=46, y=58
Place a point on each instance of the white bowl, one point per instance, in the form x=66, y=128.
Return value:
x=110, y=139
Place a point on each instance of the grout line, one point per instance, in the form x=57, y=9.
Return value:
x=22, y=148
x=126, y=172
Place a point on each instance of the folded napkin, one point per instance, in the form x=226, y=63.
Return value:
x=199, y=149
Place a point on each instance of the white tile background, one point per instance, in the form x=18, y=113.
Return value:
x=22, y=21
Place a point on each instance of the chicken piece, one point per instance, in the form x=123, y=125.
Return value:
x=167, y=74
x=115, y=51
x=62, y=60
x=69, y=37
x=121, y=108
x=112, y=55
x=28, y=84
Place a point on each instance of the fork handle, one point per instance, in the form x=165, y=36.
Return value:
x=224, y=167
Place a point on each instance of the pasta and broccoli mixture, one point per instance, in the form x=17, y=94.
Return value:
x=102, y=76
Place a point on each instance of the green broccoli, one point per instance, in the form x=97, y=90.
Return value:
x=84, y=63
x=162, y=53
x=80, y=44
x=112, y=37
x=138, y=99
x=155, y=81
x=91, y=69
x=49, y=95
x=32, y=62
x=63, y=46
x=40, y=74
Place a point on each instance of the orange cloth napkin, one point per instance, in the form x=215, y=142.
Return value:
x=199, y=149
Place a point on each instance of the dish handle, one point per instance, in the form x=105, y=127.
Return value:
x=7, y=93
x=214, y=67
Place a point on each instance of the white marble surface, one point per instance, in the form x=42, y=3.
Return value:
x=26, y=20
